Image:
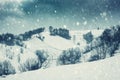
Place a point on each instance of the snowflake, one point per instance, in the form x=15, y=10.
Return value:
x=36, y=6
x=83, y=18
x=119, y=22
x=55, y=11
x=23, y=25
x=104, y=14
x=65, y=26
x=19, y=22
x=77, y=23
x=106, y=19
x=85, y=23
x=93, y=20
x=38, y=20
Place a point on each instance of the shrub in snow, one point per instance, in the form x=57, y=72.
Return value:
x=1, y=69
x=6, y=68
x=111, y=38
x=100, y=49
x=106, y=44
x=70, y=56
x=30, y=64
x=41, y=37
x=7, y=39
x=42, y=55
x=94, y=58
x=88, y=37
x=32, y=61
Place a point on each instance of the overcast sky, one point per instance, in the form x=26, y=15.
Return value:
x=18, y=16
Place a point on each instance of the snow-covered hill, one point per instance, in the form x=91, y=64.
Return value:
x=108, y=69
x=54, y=45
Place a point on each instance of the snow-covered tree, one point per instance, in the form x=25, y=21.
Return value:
x=88, y=37
x=70, y=56
x=6, y=68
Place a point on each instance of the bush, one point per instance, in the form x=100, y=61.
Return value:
x=30, y=64
x=111, y=38
x=6, y=68
x=7, y=39
x=70, y=56
x=94, y=58
x=32, y=61
x=41, y=38
x=88, y=37
x=1, y=72
x=42, y=55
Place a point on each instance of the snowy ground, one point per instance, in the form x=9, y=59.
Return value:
x=108, y=69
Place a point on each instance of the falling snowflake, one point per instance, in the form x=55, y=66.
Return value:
x=77, y=23
x=65, y=26
x=104, y=14
x=38, y=20
x=106, y=19
x=55, y=11
x=85, y=23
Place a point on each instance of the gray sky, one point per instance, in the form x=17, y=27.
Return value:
x=18, y=16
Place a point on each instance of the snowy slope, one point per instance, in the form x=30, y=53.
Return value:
x=52, y=44
x=55, y=44
x=108, y=69
x=79, y=36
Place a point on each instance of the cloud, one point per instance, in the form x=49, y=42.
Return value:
x=18, y=8
x=10, y=8
x=4, y=1
x=25, y=14
x=69, y=6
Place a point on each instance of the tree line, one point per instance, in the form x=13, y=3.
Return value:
x=11, y=39
x=62, y=32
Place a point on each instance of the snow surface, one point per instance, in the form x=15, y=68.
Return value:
x=107, y=69
x=54, y=45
